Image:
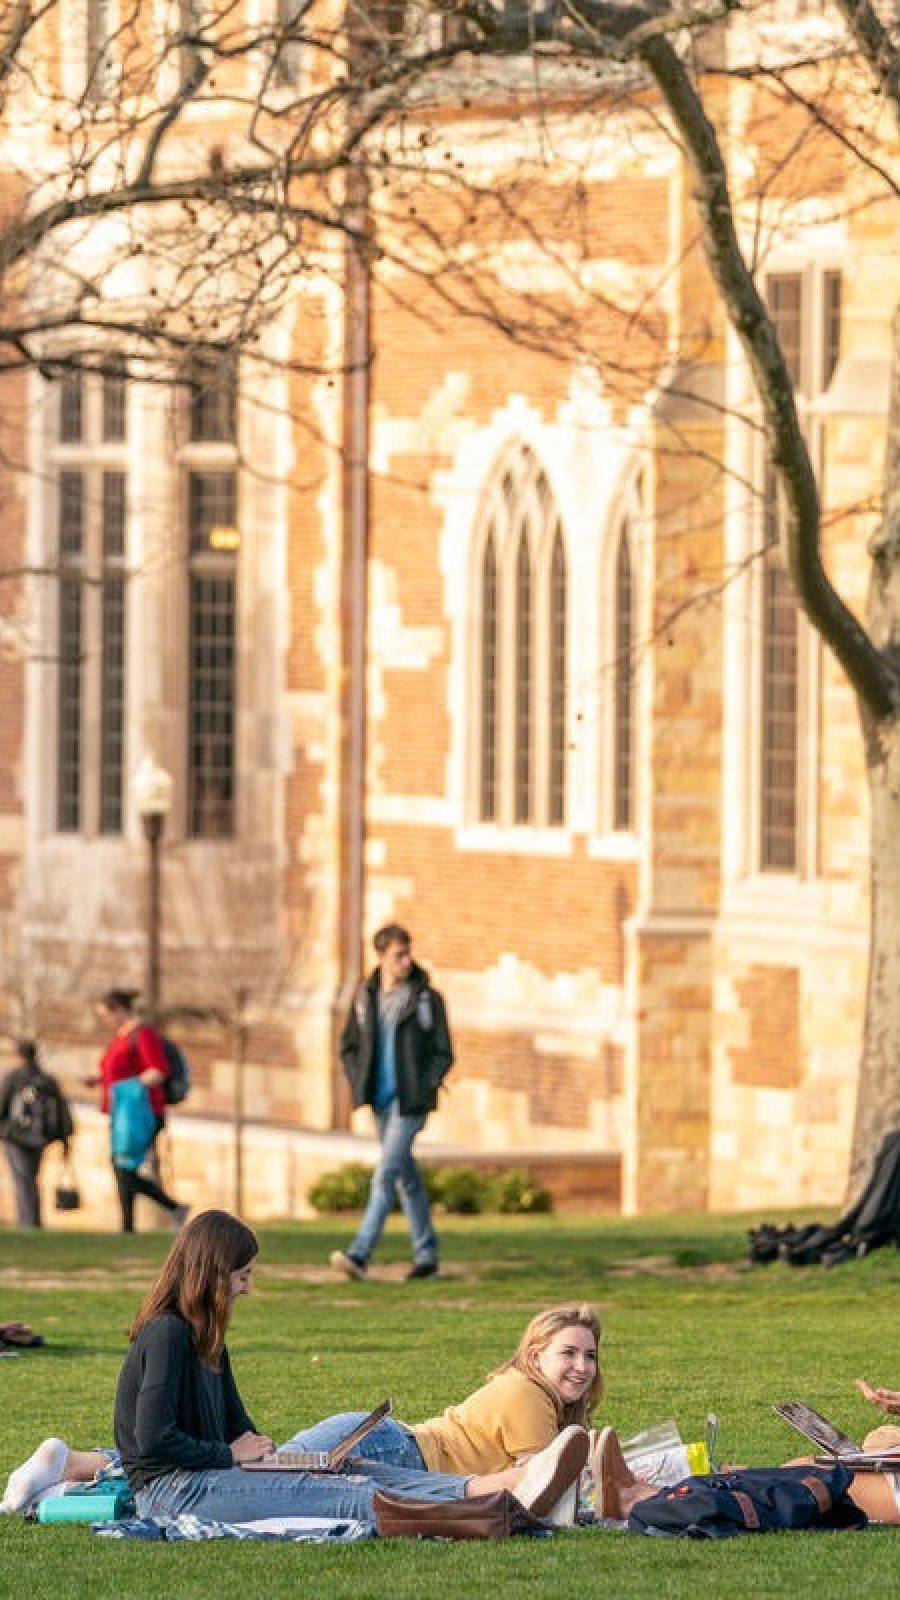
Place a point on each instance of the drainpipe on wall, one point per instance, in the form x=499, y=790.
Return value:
x=355, y=427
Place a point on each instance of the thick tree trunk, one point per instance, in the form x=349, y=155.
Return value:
x=878, y=1089
x=878, y=1095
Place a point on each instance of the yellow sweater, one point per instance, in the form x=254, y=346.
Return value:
x=508, y=1417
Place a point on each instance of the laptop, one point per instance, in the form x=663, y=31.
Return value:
x=321, y=1460
x=832, y=1442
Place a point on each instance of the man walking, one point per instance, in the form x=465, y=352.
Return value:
x=395, y=1050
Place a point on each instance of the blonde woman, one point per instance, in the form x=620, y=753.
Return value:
x=551, y=1381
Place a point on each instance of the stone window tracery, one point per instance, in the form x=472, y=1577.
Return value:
x=522, y=634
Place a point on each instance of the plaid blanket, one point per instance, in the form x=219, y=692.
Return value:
x=300, y=1530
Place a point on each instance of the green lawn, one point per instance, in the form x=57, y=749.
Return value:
x=687, y=1328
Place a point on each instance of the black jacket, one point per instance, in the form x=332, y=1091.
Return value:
x=423, y=1054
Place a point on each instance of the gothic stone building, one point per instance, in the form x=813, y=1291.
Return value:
x=439, y=607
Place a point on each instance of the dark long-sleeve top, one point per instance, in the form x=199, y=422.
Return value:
x=171, y=1411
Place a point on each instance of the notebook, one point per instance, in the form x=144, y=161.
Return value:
x=835, y=1444
x=321, y=1460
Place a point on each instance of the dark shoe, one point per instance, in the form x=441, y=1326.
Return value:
x=18, y=1335
x=422, y=1269
x=347, y=1265
x=762, y=1243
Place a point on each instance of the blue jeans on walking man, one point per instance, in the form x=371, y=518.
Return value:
x=397, y=1173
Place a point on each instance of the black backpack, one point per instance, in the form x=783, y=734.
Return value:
x=178, y=1084
x=38, y=1114
x=750, y=1500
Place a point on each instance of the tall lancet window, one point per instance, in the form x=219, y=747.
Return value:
x=521, y=606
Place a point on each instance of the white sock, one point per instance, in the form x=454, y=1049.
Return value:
x=45, y=1467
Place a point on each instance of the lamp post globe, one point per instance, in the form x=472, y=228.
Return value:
x=152, y=788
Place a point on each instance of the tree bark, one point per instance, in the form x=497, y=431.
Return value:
x=878, y=1093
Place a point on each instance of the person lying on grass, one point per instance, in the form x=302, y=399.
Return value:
x=875, y=1493
x=183, y=1434
x=550, y=1382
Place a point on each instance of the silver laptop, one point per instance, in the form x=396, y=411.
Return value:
x=321, y=1460
x=835, y=1445
x=816, y=1428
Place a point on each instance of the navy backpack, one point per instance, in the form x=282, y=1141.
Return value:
x=750, y=1500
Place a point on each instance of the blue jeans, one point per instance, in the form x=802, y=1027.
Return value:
x=390, y=1442
x=228, y=1494
x=397, y=1173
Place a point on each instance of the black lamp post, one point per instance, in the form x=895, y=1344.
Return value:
x=153, y=797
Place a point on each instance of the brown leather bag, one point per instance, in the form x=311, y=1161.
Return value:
x=483, y=1516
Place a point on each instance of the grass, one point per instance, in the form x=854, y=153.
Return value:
x=687, y=1329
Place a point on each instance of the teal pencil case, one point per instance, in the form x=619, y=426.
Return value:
x=88, y=1502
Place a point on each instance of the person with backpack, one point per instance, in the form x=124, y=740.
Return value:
x=395, y=1051
x=34, y=1113
x=135, y=1051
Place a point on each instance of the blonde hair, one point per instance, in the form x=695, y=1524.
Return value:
x=540, y=1331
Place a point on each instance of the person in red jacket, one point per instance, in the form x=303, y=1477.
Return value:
x=135, y=1051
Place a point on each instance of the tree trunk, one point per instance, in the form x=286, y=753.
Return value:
x=878, y=1091
x=878, y=1088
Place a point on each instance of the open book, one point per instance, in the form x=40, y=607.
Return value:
x=834, y=1444
x=321, y=1460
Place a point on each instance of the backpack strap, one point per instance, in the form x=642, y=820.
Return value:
x=820, y=1493
x=748, y=1510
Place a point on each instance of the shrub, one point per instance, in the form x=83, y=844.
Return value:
x=345, y=1189
x=462, y=1190
x=516, y=1194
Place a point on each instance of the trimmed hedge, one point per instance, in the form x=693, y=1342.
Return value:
x=460, y=1191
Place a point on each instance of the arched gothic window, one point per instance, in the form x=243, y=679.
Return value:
x=522, y=651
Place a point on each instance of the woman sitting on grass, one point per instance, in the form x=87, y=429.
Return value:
x=183, y=1434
